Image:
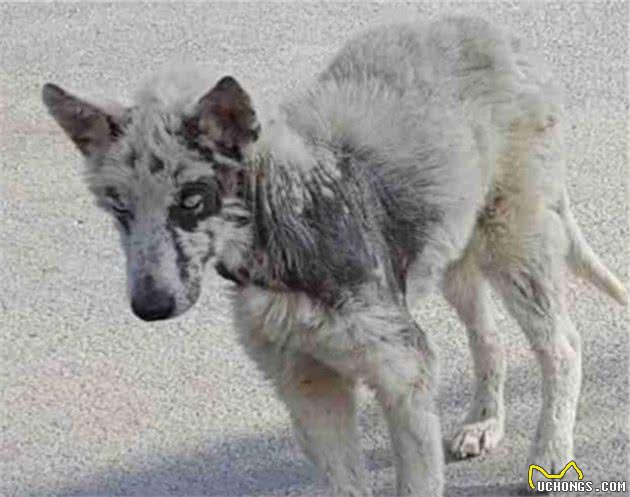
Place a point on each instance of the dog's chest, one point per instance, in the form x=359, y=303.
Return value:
x=279, y=317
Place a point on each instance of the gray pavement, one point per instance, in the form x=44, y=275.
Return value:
x=95, y=402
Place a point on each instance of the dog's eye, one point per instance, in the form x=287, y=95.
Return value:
x=192, y=201
x=114, y=202
x=120, y=210
x=117, y=207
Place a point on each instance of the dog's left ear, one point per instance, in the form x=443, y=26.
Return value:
x=91, y=128
x=225, y=116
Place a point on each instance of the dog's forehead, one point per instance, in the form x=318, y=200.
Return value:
x=152, y=155
x=153, y=142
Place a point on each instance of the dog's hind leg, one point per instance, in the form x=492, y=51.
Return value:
x=528, y=269
x=466, y=289
x=322, y=408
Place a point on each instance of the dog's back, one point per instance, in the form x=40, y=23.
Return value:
x=443, y=112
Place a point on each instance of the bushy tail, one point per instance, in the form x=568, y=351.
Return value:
x=585, y=263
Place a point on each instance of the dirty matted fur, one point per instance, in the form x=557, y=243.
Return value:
x=425, y=156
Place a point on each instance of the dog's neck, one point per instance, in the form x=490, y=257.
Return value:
x=281, y=170
x=287, y=172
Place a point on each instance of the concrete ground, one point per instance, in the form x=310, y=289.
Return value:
x=95, y=402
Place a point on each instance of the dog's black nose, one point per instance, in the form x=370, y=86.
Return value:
x=153, y=306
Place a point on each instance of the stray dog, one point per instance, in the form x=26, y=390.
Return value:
x=424, y=156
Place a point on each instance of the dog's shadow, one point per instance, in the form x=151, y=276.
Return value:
x=236, y=469
x=251, y=466
x=247, y=466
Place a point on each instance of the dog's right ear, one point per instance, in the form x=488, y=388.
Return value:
x=90, y=128
x=225, y=118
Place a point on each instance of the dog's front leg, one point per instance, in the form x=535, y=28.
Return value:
x=322, y=408
x=320, y=399
x=385, y=347
x=405, y=382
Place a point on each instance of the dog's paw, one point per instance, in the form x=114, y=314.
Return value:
x=475, y=439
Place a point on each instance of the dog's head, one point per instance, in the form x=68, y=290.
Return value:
x=171, y=174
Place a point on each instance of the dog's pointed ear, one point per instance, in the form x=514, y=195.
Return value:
x=90, y=128
x=225, y=116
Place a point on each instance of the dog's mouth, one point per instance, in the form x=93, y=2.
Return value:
x=240, y=276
